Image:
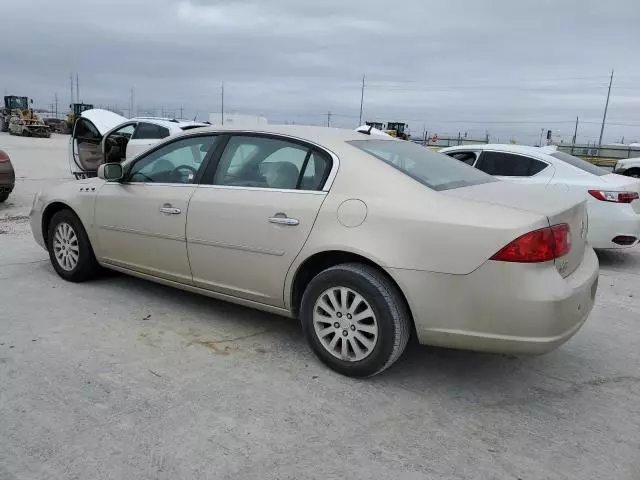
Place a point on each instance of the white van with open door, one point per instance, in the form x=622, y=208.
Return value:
x=101, y=136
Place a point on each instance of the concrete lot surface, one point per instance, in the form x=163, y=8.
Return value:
x=124, y=379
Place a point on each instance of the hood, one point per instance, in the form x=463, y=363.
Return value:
x=104, y=120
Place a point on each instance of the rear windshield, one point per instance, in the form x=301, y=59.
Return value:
x=579, y=163
x=435, y=170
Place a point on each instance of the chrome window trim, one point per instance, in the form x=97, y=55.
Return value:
x=262, y=189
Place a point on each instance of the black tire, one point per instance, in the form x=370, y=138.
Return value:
x=4, y=194
x=633, y=172
x=387, y=303
x=86, y=267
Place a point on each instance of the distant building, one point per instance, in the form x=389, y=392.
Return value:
x=238, y=119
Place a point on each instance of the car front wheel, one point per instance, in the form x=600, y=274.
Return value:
x=69, y=248
x=355, y=319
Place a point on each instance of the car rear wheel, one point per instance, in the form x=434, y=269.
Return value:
x=69, y=248
x=355, y=319
x=3, y=196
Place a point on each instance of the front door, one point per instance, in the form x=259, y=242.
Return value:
x=141, y=220
x=246, y=228
x=85, y=145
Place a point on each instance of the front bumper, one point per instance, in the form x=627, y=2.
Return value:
x=501, y=307
x=35, y=217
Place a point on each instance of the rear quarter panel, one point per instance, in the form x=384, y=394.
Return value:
x=410, y=226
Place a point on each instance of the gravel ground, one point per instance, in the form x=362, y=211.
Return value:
x=121, y=378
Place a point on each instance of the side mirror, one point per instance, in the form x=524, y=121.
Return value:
x=111, y=172
x=31, y=101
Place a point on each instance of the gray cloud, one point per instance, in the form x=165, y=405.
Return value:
x=507, y=67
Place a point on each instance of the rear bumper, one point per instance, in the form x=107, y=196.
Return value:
x=607, y=222
x=501, y=307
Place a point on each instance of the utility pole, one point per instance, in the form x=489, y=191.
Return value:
x=604, y=116
x=328, y=119
x=56, y=99
x=181, y=117
x=77, y=88
x=361, y=101
x=71, y=84
x=131, y=108
x=575, y=135
x=222, y=105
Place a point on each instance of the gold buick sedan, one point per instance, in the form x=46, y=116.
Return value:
x=367, y=240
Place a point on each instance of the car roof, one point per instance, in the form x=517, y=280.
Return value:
x=324, y=136
x=169, y=123
x=501, y=147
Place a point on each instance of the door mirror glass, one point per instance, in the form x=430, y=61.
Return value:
x=111, y=172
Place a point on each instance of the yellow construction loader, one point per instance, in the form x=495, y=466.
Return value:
x=18, y=118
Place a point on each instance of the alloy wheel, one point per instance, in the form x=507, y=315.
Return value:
x=65, y=246
x=345, y=324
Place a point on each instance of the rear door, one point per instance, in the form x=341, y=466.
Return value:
x=247, y=226
x=145, y=135
x=515, y=167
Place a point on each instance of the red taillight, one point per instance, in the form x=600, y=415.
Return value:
x=616, y=197
x=538, y=246
x=4, y=158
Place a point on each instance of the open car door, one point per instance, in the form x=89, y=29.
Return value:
x=85, y=144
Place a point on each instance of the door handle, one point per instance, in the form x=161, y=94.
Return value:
x=282, y=219
x=169, y=210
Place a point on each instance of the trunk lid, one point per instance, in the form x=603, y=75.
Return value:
x=558, y=207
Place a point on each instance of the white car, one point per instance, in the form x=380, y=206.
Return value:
x=366, y=239
x=101, y=136
x=628, y=166
x=612, y=200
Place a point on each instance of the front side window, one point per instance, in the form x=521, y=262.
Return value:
x=435, y=170
x=509, y=164
x=266, y=162
x=150, y=131
x=176, y=162
x=86, y=130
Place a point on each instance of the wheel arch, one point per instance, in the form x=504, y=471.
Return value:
x=320, y=261
x=48, y=213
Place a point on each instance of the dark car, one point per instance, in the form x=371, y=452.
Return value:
x=7, y=176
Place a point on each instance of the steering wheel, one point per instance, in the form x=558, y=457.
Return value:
x=184, y=173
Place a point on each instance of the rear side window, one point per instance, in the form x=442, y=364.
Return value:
x=509, y=164
x=265, y=162
x=435, y=170
x=579, y=163
x=149, y=131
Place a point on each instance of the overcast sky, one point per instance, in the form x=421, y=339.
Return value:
x=505, y=66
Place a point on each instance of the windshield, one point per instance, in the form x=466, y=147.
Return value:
x=579, y=163
x=435, y=170
x=18, y=103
